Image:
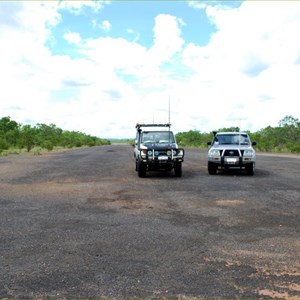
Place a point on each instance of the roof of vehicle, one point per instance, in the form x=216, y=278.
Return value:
x=231, y=132
x=153, y=127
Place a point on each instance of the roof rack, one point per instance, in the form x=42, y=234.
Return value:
x=138, y=126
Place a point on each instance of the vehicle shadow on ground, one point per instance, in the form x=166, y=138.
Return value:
x=242, y=173
x=202, y=172
x=186, y=174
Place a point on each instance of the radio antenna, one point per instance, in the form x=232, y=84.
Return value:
x=169, y=119
x=169, y=111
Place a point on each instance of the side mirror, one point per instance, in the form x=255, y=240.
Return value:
x=208, y=143
x=253, y=143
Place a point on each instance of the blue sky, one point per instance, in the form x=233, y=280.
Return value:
x=134, y=21
x=102, y=66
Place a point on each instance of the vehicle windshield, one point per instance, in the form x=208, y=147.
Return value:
x=157, y=137
x=232, y=139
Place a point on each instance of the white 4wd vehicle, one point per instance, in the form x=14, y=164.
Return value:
x=231, y=150
x=156, y=149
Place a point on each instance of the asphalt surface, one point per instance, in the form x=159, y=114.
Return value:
x=82, y=224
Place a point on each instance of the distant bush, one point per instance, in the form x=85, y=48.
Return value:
x=284, y=138
x=42, y=136
x=3, y=144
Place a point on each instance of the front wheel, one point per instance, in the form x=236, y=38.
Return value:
x=141, y=168
x=212, y=168
x=250, y=168
x=178, y=169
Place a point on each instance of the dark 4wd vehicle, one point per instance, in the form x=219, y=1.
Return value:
x=156, y=149
x=231, y=150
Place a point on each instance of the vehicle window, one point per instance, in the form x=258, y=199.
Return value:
x=147, y=137
x=236, y=139
x=157, y=137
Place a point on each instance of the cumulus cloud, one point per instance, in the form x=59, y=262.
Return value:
x=106, y=25
x=167, y=38
x=246, y=75
x=256, y=40
x=73, y=37
x=23, y=57
x=205, y=4
x=76, y=7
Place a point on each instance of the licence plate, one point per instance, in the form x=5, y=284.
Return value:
x=231, y=160
x=163, y=158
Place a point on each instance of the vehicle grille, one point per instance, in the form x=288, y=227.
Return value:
x=231, y=152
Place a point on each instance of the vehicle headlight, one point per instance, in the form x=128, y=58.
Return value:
x=169, y=152
x=143, y=153
x=179, y=152
x=248, y=153
x=214, y=152
x=150, y=152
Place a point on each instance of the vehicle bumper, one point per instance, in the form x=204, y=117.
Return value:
x=231, y=161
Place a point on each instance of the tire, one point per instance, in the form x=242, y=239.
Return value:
x=141, y=168
x=250, y=168
x=178, y=169
x=212, y=168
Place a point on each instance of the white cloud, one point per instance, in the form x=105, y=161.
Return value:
x=167, y=39
x=23, y=57
x=203, y=4
x=76, y=7
x=73, y=37
x=253, y=53
x=246, y=75
x=105, y=25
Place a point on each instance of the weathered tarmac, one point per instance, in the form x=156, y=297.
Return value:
x=82, y=224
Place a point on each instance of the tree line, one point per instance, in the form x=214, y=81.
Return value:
x=18, y=136
x=283, y=138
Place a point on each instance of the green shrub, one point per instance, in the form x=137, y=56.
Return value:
x=3, y=144
x=295, y=148
x=48, y=145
